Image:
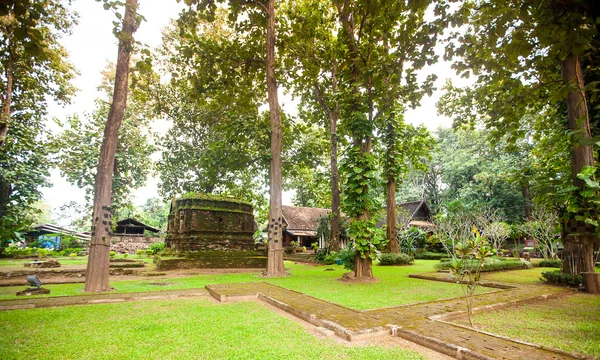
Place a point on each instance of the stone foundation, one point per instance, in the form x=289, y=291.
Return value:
x=130, y=244
x=216, y=260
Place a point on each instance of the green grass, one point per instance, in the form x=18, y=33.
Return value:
x=529, y=276
x=182, y=329
x=571, y=323
x=393, y=288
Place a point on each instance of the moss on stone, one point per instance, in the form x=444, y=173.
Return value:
x=204, y=196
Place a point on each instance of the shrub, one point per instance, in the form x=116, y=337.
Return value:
x=431, y=256
x=149, y=252
x=321, y=254
x=125, y=255
x=554, y=263
x=140, y=252
x=559, y=278
x=16, y=253
x=290, y=250
x=73, y=254
x=395, y=259
x=491, y=265
x=155, y=248
x=347, y=257
x=113, y=254
x=330, y=258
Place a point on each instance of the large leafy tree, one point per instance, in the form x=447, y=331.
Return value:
x=405, y=147
x=311, y=54
x=527, y=57
x=33, y=70
x=383, y=44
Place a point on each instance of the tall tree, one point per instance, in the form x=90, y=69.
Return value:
x=384, y=44
x=33, y=70
x=311, y=53
x=527, y=58
x=96, y=278
x=250, y=19
x=405, y=147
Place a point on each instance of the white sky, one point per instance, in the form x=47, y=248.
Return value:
x=92, y=45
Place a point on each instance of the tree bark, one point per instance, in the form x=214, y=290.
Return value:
x=5, y=186
x=275, y=256
x=526, y=191
x=335, y=190
x=6, y=102
x=335, y=177
x=578, y=252
x=391, y=230
x=96, y=279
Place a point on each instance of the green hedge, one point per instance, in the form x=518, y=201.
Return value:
x=17, y=253
x=554, y=263
x=386, y=259
x=493, y=265
x=431, y=256
x=559, y=278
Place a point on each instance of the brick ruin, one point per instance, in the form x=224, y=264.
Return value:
x=201, y=222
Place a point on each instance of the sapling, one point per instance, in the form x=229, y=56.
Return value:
x=468, y=260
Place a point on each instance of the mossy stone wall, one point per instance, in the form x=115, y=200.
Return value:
x=210, y=223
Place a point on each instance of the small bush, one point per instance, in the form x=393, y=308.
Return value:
x=386, y=259
x=140, y=252
x=125, y=255
x=16, y=253
x=290, y=250
x=491, y=265
x=554, y=263
x=149, y=252
x=156, y=248
x=431, y=256
x=73, y=254
x=559, y=278
x=112, y=254
x=347, y=257
x=321, y=254
x=330, y=258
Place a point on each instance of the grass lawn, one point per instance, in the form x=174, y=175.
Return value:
x=182, y=329
x=570, y=323
x=393, y=288
x=527, y=277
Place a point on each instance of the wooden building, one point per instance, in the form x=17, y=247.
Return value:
x=131, y=226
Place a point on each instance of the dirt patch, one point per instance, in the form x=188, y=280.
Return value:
x=159, y=283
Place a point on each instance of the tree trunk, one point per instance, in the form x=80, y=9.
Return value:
x=5, y=186
x=275, y=257
x=335, y=190
x=6, y=102
x=578, y=250
x=96, y=278
x=363, y=268
x=391, y=230
x=526, y=191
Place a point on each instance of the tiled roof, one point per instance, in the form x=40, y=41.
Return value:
x=303, y=218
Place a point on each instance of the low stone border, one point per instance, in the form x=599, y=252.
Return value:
x=105, y=298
